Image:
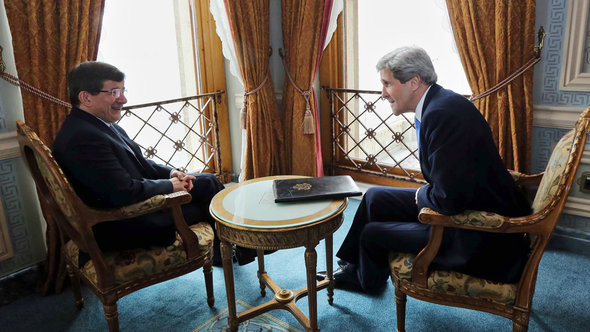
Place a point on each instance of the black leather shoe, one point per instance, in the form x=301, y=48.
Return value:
x=344, y=277
x=341, y=263
x=322, y=275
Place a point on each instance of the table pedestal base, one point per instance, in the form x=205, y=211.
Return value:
x=283, y=298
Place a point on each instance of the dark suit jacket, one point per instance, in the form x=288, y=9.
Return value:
x=105, y=172
x=102, y=169
x=464, y=171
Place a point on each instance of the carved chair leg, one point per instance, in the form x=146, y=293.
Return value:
x=111, y=314
x=75, y=286
x=208, y=273
x=520, y=321
x=400, y=305
x=516, y=327
x=53, y=255
x=61, y=275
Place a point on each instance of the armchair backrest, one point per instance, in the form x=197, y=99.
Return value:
x=562, y=166
x=553, y=175
x=58, y=199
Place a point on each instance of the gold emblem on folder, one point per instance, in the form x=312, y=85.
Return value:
x=302, y=186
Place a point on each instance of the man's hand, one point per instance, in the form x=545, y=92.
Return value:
x=181, y=181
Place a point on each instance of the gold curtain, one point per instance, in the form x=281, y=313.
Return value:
x=302, y=24
x=49, y=38
x=494, y=39
x=249, y=22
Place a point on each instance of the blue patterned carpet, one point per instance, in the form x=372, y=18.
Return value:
x=180, y=305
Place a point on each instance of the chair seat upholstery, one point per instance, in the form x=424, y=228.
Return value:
x=129, y=265
x=453, y=283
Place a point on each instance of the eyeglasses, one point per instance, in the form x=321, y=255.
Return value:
x=116, y=92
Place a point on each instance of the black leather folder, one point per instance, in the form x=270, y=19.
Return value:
x=325, y=187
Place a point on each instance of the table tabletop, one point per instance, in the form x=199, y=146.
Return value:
x=251, y=204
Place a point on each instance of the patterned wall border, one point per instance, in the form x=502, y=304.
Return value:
x=552, y=60
x=17, y=227
x=543, y=142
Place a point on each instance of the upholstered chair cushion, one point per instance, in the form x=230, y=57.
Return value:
x=454, y=283
x=131, y=264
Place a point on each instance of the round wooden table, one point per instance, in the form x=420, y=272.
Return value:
x=246, y=215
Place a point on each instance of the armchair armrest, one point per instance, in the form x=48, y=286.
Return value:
x=172, y=201
x=470, y=219
x=152, y=204
x=483, y=221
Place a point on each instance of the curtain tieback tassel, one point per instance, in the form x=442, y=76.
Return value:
x=308, y=123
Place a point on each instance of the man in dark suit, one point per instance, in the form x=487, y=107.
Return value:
x=464, y=171
x=107, y=169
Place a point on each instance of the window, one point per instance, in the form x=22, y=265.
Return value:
x=368, y=138
x=386, y=25
x=147, y=40
x=153, y=43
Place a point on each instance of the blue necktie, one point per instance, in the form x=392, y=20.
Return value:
x=417, y=125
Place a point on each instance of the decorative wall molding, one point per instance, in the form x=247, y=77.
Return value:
x=573, y=75
x=5, y=243
x=577, y=206
x=15, y=211
x=547, y=90
x=9, y=145
x=550, y=116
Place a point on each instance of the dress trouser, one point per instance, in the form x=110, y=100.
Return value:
x=386, y=220
x=158, y=228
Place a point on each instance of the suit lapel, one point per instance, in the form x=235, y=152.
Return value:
x=108, y=132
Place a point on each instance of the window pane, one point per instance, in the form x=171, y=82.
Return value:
x=139, y=38
x=374, y=138
x=384, y=25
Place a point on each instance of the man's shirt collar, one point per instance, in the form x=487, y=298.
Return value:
x=421, y=104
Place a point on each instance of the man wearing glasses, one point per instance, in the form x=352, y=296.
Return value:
x=107, y=169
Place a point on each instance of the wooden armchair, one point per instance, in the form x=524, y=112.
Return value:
x=112, y=275
x=411, y=275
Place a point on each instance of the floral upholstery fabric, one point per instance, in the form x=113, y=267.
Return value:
x=132, y=264
x=478, y=219
x=555, y=168
x=148, y=204
x=453, y=283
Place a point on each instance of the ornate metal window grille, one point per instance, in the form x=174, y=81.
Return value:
x=366, y=137
x=182, y=133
